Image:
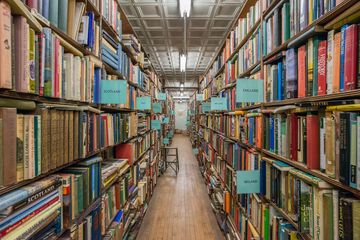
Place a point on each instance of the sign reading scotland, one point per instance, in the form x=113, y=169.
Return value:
x=113, y=91
x=249, y=90
x=205, y=107
x=157, y=108
x=219, y=104
x=162, y=96
x=155, y=124
x=143, y=103
x=248, y=181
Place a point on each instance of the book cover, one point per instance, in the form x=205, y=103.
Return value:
x=309, y=66
x=21, y=54
x=342, y=57
x=330, y=144
x=63, y=15
x=291, y=74
x=336, y=63
x=351, y=52
x=302, y=72
x=322, y=70
x=344, y=147
x=5, y=46
x=9, y=132
x=330, y=62
x=54, y=12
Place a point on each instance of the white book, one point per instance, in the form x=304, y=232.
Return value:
x=69, y=68
x=79, y=10
x=83, y=30
x=330, y=62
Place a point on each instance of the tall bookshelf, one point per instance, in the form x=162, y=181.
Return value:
x=76, y=177
x=299, y=176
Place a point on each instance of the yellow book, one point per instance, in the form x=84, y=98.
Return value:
x=348, y=107
x=31, y=60
x=311, y=13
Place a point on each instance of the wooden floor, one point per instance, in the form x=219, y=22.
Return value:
x=180, y=207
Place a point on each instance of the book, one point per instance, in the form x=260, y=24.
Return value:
x=5, y=46
x=351, y=51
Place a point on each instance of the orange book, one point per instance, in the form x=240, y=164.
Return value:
x=302, y=71
x=336, y=66
x=5, y=45
x=227, y=202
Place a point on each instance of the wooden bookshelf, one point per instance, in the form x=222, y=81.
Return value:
x=18, y=7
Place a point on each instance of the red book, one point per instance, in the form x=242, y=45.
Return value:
x=232, y=73
x=32, y=4
x=302, y=71
x=322, y=56
x=125, y=151
x=351, y=51
x=294, y=137
x=312, y=143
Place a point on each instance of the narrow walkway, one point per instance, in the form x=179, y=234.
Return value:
x=180, y=207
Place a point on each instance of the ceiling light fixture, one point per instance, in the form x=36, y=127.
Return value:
x=182, y=94
x=181, y=85
x=182, y=62
x=185, y=7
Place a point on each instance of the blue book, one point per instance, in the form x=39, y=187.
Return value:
x=97, y=79
x=110, y=57
x=110, y=62
x=91, y=29
x=54, y=12
x=48, y=70
x=280, y=82
x=283, y=226
x=272, y=134
x=262, y=177
x=251, y=131
x=45, y=9
x=342, y=57
x=62, y=15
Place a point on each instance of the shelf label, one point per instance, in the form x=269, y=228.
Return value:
x=218, y=104
x=113, y=91
x=199, y=97
x=166, y=141
x=195, y=151
x=143, y=103
x=166, y=120
x=162, y=96
x=205, y=107
x=172, y=112
x=157, y=108
x=248, y=181
x=155, y=125
x=249, y=90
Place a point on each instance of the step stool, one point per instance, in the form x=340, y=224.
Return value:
x=171, y=159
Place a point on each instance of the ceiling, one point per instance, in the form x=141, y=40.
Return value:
x=160, y=29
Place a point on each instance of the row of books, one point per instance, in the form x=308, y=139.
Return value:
x=117, y=128
x=133, y=44
x=320, y=67
x=82, y=186
x=244, y=25
x=317, y=140
x=64, y=14
x=291, y=18
x=304, y=199
x=134, y=149
x=64, y=134
x=110, y=10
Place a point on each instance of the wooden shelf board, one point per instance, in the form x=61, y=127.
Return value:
x=19, y=8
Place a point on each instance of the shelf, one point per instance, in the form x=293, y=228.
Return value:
x=315, y=173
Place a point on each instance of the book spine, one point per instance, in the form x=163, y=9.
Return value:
x=342, y=58
x=351, y=51
x=344, y=149
x=322, y=60
x=330, y=61
x=353, y=146
x=5, y=46
x=358, y=153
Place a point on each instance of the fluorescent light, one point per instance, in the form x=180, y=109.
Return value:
x=182, y=94
x=182, y=85
x=182, y=62
x=185, y=7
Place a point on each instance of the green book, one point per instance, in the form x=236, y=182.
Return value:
x=315, y=73
x=85, y=184
x=80, y=192
x=285, y=22
x=305, y=207
x=266, y=224
x=328, y=217
x=63, y=13
x=53, y=12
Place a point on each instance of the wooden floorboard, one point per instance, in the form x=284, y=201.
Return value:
x=180, y=207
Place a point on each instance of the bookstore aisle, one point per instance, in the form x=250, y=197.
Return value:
x=180, y=207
